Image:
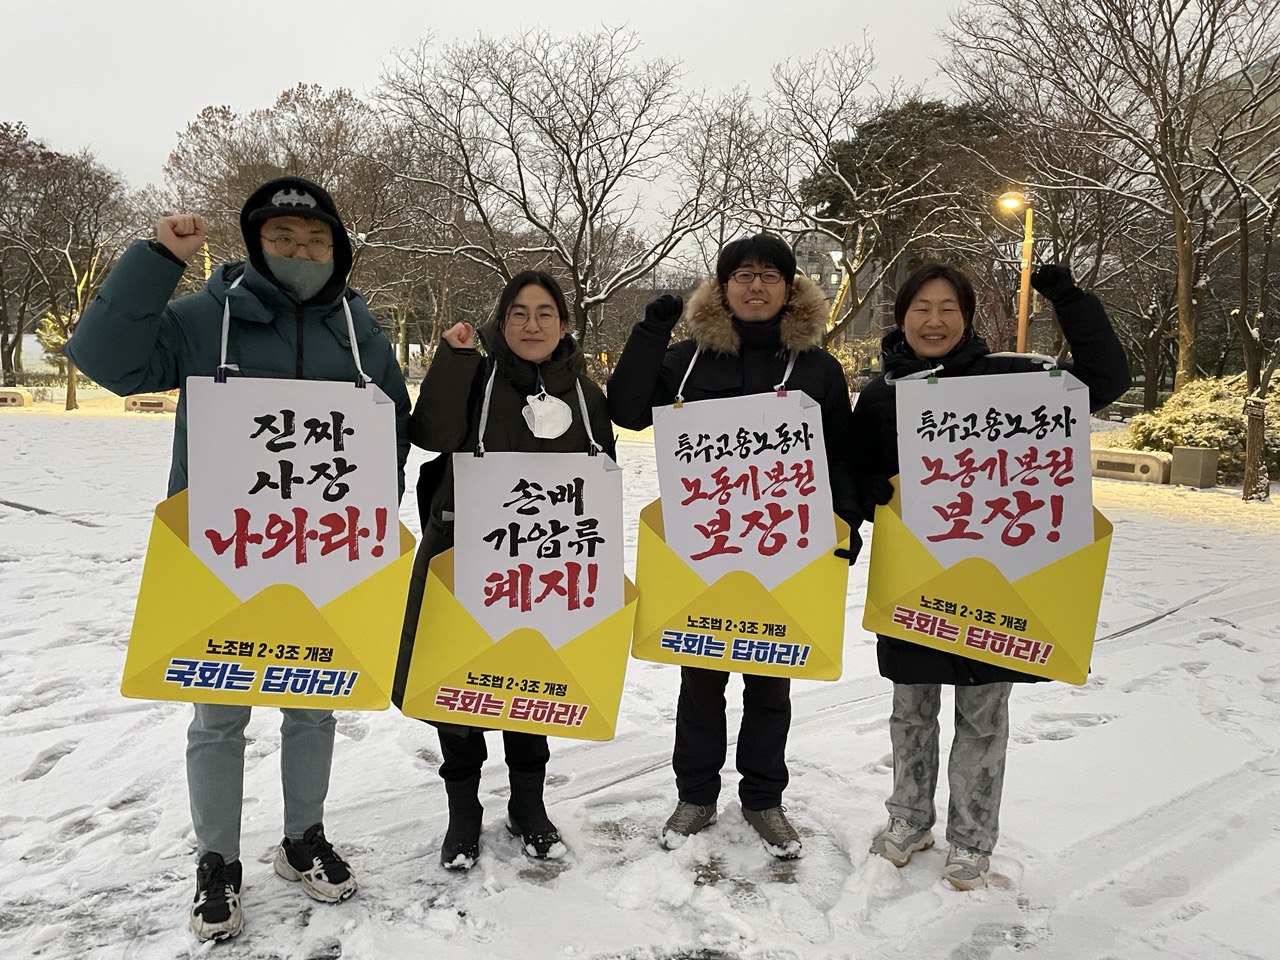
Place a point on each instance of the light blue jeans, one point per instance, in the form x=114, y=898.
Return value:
x=215, y=772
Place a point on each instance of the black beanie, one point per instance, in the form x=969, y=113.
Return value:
x=295, y=197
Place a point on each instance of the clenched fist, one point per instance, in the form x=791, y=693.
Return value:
x=182, y=234
x=461, y=336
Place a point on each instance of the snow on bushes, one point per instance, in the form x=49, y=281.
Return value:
x=1207, y=413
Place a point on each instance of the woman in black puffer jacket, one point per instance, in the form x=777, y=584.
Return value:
x=934, y=312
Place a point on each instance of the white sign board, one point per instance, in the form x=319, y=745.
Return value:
x=538, y=541
x=996, y=467
x=744, y=484
x=291, y=481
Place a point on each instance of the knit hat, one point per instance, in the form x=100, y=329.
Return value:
x=295, y=197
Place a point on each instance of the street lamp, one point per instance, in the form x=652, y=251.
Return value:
x=1013, y=201
x=836, y=257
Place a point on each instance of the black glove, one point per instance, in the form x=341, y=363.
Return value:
x=1054, y=282
x=663, y=313
x=855, y=547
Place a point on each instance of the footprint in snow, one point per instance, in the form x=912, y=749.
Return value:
x=1061, y=726
x=46, y=760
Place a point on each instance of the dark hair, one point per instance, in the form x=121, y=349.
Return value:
x=494, y=330
x=936, y=271
x=764, y=248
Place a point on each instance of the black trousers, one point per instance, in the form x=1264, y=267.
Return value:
x=702, y=741
x=465, y=753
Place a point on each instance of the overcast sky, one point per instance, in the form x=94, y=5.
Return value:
x=124, y=78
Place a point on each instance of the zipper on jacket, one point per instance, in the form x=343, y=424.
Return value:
x=297, y=363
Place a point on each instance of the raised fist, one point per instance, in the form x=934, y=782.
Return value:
x=664, y=311
x=1053, y=281
x=461, y=336
x=182, y=234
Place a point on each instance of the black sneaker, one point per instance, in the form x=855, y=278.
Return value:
x=215, y=912
x=314, y=863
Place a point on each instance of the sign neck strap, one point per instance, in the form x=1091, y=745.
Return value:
x=220, y=376
x=685, y=378
x=781, y=388
x=362, y=378
x=488, y=394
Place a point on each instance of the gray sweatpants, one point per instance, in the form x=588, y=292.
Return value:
x=215, y=772
x=975, y=770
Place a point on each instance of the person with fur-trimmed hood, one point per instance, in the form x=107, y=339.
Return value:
x=745, y=323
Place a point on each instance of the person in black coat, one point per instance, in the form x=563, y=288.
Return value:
x=745, y=323
x=934, y=311
x=469, y=399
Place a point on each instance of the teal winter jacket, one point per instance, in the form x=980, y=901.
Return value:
x=133, y=339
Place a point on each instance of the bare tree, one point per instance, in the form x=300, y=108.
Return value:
x=84, y=222
x=842, y=160
x=330, y=137
x=560, y=151
x=1147, y=77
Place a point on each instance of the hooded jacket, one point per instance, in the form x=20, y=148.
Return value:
x=1098, y=361
x=446, y=419
x=740, y=359
x=133, y=339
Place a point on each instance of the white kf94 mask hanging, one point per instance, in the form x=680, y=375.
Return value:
x=547, y=416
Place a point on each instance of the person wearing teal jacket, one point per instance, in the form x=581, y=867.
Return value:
x=285, y=312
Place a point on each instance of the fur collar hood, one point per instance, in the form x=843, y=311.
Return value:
x=710, y=324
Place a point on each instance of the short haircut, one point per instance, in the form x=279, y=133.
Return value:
x=497, y=325
x=936, y=271
x=764, y=248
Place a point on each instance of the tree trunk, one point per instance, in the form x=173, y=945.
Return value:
x=1151, y=372
x=402, y=331
x=6, y=359
x=72, y=404
x=1183, y=244
x=1257, y=485
x=1249, y=345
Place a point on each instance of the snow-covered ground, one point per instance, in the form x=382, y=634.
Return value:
x=1141, y=819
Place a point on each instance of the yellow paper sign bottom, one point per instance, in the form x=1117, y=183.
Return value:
x=193, y=640
x=736, y=624
x=459, y=674
x=1042, y=624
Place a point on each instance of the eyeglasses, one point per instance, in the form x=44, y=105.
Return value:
x=745, y=277
x=286, y=244
x=545, y=319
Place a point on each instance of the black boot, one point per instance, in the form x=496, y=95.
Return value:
x=461, y=846
x=527, y=817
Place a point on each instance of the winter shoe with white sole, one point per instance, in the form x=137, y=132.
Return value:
x=215, y=911
x=527, y=816
x=966, y=869
x=687, y=820
x=313, y=862
x=779, y=836
x=900, y=839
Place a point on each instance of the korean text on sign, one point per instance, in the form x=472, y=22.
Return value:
x=996, y=467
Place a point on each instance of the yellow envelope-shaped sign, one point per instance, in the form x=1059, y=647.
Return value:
x=193, y=640
x=1042, y=624
x=459, y=674
x=736, y=624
